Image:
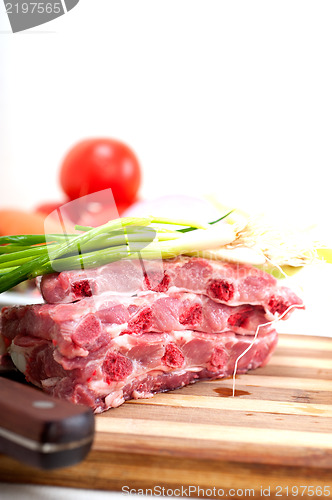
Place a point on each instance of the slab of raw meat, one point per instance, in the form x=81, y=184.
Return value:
x=82, y=326
x=137, y=365
x=226, y=283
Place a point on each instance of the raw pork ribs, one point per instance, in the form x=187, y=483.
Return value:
x=133, y=328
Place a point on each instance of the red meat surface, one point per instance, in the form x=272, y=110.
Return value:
x=133, y=328
x=137, y=365
x=82, y=326
x=231, y=284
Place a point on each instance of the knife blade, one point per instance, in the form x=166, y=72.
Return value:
x=40, y=430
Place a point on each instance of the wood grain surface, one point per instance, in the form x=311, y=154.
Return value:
x=276, y=432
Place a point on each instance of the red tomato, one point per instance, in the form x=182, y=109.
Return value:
x=48, y=207
x=96, y=164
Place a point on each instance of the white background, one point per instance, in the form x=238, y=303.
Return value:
x=232, y=98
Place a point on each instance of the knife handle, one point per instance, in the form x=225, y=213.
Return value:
x=40, y=430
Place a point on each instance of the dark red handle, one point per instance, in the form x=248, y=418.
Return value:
x=41, y=430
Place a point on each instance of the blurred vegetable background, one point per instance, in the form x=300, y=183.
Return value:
x=213, y=98
x=90, y=166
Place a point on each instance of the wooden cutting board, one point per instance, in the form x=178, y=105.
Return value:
x=276, y=433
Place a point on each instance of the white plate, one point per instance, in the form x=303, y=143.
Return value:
x=19, y=299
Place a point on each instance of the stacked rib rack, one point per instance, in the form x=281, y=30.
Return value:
x=132, y=328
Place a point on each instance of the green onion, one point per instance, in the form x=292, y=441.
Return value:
x=24, y=257
x=34, y=239
x=23, y=254
x=5, y=270
x=179, y=222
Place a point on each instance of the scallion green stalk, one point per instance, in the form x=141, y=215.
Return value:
x=25, y=257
